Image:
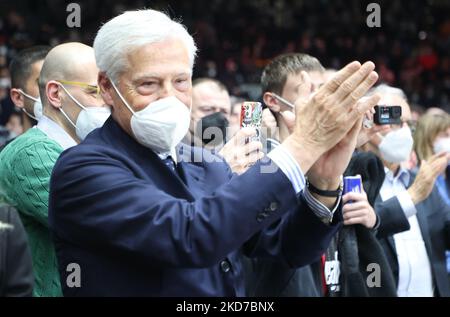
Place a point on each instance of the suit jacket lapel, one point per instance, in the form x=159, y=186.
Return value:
x=422, y=218
x=193, y=176
x=175, y=184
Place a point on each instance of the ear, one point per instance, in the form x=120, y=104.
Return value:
x=52, y=93
x=106, y=89
x=17, y=98
x=271, y=102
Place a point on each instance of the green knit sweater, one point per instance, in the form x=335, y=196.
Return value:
x=26, y=165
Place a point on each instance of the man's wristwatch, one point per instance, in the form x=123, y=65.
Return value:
x=326, y=193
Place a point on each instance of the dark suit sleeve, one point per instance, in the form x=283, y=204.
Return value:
x=443, y=207
x=102, y=204
x=447, y=232
x=298, y=239
x=19, y=269
x=392, y=218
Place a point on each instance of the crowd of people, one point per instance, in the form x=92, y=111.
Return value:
x=114, y=185
x=238, y=38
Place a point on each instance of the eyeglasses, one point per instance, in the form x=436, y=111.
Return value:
x=89, y=89
x=412, y=124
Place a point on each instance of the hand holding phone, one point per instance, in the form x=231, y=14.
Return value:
x=251, y=116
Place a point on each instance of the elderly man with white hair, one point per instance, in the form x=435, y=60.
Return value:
x=143, y=215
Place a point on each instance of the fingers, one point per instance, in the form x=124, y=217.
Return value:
x=251, y=147
x=355, y=87
x=354, y=132
x=380, y=129
x=245, y=162
x=362, y=107
x=243, y=135
x=355, y=214
x=355, y=221
x=289, y=119
x=438, y=156
x=356, y=197
x=254, y=157
x=355, y=207
x=439, y=165
x=338, y=79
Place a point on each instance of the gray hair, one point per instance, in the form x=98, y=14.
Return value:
x=384, y=89
x=132, y=30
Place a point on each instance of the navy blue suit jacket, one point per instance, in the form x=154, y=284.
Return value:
x=136, y=228
x=433, y=215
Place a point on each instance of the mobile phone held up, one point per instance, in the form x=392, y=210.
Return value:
x=251, y=116
x=385, y=115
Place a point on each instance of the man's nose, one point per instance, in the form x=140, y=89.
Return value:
x=167, y=90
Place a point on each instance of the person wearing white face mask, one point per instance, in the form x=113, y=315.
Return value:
x=155, y=217
x=25, y=69
x=414, y=220
x=72, y=108
x=433, y=137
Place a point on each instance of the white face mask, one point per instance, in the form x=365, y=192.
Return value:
x=37, y=108
x=89, y=119
x=397, y=146
x=442, y=145
x=161, y=125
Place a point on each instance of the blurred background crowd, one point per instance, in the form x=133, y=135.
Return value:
x=278, y=52
x=238, y=38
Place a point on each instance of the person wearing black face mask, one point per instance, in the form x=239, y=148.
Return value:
x=213, y=130
x=209, y=97
x=209, y=127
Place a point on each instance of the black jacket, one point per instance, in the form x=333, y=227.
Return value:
x=16, y=271
x=358, y=247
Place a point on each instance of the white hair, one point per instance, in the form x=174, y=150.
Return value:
x=132, y=30
x=384, y=89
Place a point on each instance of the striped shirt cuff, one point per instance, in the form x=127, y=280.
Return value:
x=319, y=209
x=289, y=166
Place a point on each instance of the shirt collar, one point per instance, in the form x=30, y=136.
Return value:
x=55, y=132
x=403, y=176
x=172, y=154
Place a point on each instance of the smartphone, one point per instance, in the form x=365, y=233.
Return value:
x=251, y=116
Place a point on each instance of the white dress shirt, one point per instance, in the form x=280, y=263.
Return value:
x=415, y=277
x=55, y=132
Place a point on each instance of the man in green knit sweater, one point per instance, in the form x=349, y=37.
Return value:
x=25, y=69
x=72, y=108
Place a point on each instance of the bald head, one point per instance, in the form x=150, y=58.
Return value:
x=69, y=62
x=209, y=96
